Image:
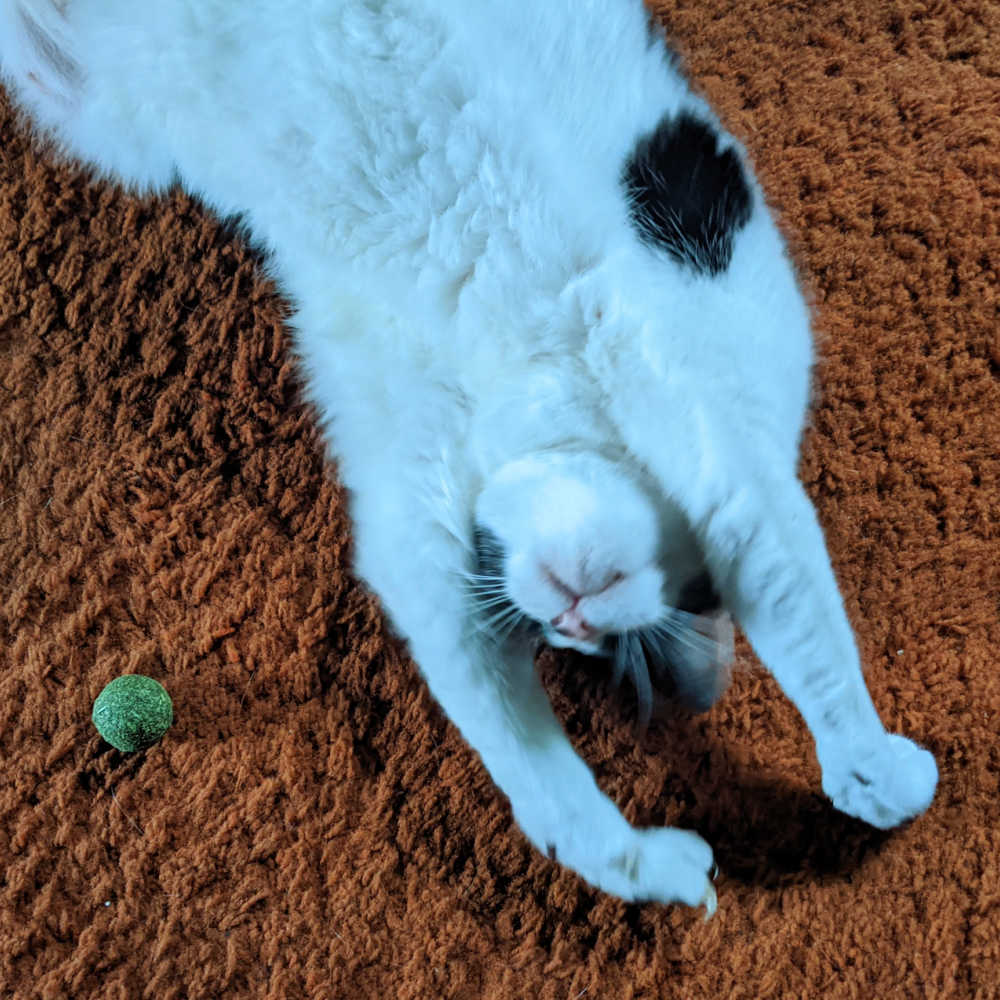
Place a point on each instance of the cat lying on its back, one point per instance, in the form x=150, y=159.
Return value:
x=556, y=338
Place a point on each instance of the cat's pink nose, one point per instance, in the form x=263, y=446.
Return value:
x=572, y=624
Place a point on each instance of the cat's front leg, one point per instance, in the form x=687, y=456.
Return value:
x=490, y=690
x=767, y=549
x=767, y=556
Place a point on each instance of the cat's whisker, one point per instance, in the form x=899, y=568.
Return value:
x=672, y=627
x=514, y=623
x=640, y=678
x=495, y=584
x=484, y=587
x=488, y=591
x=490, y=620
x=475, y=577
x=501, y=601
x=658, y=644
x=628, y=658
x=500, y=632
x=498, y=621
x=483, y=591
x=694, y=639
x=488, y=596
x=687, y=646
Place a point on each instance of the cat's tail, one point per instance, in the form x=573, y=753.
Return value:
x=37, y=55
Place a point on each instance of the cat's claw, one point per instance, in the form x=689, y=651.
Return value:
x=710, y=901
x=885, y=787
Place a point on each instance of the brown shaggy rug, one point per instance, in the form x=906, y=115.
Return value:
x=311, y=825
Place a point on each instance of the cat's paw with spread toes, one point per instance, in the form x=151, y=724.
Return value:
x=884, y=787
x=664, y=866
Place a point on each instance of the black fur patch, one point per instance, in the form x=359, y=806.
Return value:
x=487, y=587
x=685, y=196
x=490, y=555
x=698, y=596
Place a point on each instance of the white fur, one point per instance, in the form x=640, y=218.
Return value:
x=438, y=183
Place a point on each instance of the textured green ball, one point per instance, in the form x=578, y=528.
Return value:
x=133, y=712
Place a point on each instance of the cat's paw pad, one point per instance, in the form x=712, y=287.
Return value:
x=886, y=787
x=665, y=866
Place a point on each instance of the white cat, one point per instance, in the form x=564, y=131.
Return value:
x=555, y=336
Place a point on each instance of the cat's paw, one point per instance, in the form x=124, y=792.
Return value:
x=884, y=787
x=661, y=865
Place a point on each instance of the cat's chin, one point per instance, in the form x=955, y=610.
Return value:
x=596, y=647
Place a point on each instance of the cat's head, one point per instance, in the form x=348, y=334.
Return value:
x=581, y=548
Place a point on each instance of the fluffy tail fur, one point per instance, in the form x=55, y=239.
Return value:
x=36, y=54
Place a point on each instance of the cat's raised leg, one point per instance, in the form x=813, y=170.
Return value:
x=491, y=692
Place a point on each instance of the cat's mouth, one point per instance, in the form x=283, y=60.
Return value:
x=697, y=605
x=696, y=648
x=598, y=644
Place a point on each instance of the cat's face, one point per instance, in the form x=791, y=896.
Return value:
x=573, y=545
x=577, y=545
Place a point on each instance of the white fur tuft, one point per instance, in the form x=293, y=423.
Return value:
x=36, y=54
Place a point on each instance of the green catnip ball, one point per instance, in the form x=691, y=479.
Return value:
x=133, y=712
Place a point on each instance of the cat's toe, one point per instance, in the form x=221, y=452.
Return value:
x=666, y=866
x=915, y=775
x=887, y=787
